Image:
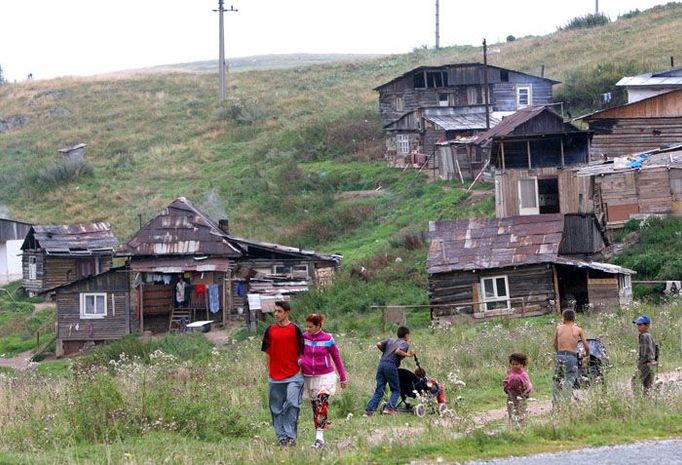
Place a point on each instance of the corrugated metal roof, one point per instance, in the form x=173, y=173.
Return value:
x=659, y=158
x=490, y=243
x=73, y=239
x=179, y=264
x=180, y=229
x=669, y=77
x=283, y=249
x=486, y=243
x=462, y=122
x=510, y=123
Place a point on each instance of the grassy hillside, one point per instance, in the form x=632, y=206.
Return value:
x=277, y=154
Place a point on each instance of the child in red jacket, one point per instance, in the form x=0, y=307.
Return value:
x=518, y=387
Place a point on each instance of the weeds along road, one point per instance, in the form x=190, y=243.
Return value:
x=667, y=452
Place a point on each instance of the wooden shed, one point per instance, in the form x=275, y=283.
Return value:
x=623, y=188
x=93, y=310
x=637, y=127
x=53, y=255
x=519, y=266
x=531, y=152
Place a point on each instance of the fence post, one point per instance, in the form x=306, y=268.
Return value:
x=38, y=338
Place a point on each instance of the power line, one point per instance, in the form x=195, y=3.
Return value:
x=222, y=64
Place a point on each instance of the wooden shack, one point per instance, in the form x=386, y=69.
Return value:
x=430, y=103
x=532, y=152
x=635, y=187
x=12, y=235
x=53, y=255
x=93, y=310
x=519, y=266
x=223, y=275
x=637, y=127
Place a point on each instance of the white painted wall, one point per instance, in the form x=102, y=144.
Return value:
x=10, y=261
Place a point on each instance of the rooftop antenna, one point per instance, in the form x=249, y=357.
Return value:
x=222, y=64
x=437, y=25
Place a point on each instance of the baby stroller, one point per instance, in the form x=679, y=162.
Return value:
x=429, y=394
x=591, y=371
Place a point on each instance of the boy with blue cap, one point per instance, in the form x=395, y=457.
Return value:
x=647, y=353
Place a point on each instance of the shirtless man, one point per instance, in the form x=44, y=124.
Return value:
x=566, y=346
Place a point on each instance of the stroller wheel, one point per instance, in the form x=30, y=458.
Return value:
x=442, y=408
x=420, y=410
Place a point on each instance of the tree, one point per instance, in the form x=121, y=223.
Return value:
x=2, y=76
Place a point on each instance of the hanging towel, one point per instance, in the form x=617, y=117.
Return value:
x=241, y=289
x=213, y=298
x=672, y=287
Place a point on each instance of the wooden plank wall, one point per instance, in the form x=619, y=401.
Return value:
x=602, y=290
x=620, y=137
x=33, y=285
x=534, y=283
x=570, y=188
x=70, y=326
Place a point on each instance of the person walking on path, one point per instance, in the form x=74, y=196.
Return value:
x=283, y=345
x=647, y=358
x=319, y=378
x=393, y=351
x=566, y=340
x=517, y=386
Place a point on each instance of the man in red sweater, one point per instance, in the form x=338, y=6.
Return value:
x=283, y=345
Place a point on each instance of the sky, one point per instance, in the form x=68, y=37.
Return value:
x=51, y=38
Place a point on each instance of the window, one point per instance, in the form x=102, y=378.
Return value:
x=495, y=292
x=281, y=269
x=402, y=142
x=300, y=271
x=93, y=305
x=443, y=100
x=528, y=197
x=524, y=96
x=398, y=103
x=430, y=79
x=85, y=268
x=504, y=75
x=472, y=95
x=32, y=268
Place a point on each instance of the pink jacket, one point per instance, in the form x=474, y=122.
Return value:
x=517, y=383
x=318, y=352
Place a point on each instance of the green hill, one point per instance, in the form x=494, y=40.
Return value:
x=278, y=153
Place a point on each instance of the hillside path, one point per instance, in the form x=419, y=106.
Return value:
x=18, y=362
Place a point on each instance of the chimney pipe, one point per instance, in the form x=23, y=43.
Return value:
x=224, y=225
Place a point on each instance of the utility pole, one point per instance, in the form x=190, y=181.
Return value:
x=437, y=26
x=222, y=65
x=485, y=84
x=596, y=7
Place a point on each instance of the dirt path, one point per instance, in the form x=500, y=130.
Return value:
x=18, y=362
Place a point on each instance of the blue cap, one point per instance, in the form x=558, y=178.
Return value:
x=642, y=320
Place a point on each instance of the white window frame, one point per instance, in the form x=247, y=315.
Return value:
x=285, y=269
x=32, y=267
x=625, y=285
x=528, y=94
x=496, y=298
x=98, y=312
x=402, y=143
x=525, y=210
x=443, y=102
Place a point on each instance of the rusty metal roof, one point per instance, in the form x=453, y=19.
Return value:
x=180, y=229
x=179, y=264
x=510, y=125
x=72, y=239
x=294, y=252
x=485, y=243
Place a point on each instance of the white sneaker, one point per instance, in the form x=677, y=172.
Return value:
x=318, y=444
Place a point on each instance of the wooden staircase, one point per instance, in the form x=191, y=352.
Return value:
x=179, y=318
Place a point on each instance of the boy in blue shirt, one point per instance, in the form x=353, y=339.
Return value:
x=393, y=351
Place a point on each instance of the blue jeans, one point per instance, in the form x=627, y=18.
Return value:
x=387, y=372
x=565, y=375
x=285, y=404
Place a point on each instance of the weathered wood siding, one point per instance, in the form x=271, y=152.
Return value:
x=503, y=95
x=70, y=325
x=530, y=289
x=570, y=188
x=626, y=136
x=603, y=290
x=581, y=236
x=621, y=196
x=55, y=271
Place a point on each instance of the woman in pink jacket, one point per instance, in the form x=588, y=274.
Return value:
x=319, y=378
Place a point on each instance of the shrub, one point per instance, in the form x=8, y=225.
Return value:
x=630, y=14
x=589, y=20
x=63, y=172
x=244, y=111
x=511, y=38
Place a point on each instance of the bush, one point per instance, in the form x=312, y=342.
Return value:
x=63, y=172
x=590, y=20
x=244, y=112
x=511, y=38
x=630, y=14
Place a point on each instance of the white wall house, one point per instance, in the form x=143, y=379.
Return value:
x=12, y=234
